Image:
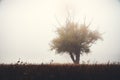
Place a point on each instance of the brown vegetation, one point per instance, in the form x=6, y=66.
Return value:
x=60, y=72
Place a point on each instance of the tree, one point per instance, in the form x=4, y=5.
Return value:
x=74, y=39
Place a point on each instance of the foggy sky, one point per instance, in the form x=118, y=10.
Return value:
x=28, y=26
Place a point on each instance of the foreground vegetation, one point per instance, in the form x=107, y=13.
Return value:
x=60, y=72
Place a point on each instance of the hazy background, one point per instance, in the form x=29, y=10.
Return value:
x=28, y=26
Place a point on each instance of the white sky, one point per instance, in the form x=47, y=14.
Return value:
x=27, y=27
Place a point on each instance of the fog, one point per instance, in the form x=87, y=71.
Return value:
x=28, y=26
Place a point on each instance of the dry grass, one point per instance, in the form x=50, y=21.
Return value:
x=60, y=72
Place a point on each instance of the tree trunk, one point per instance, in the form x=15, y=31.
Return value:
x=77, y=58
x=72, y=57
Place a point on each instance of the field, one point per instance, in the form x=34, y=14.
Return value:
x=60, y=72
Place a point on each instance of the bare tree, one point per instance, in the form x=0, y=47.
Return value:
x=75, y=39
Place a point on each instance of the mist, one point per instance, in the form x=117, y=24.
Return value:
x=28, y=26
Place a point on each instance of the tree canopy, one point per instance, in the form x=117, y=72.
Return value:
x=74, y=39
